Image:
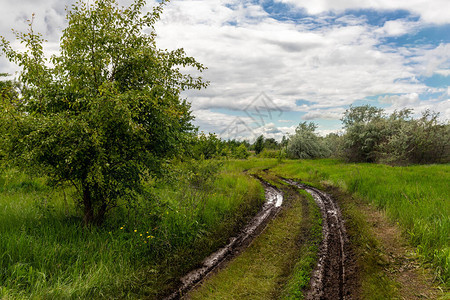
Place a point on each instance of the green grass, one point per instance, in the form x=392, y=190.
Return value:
x=307, y=256
x=46, y=253
x=417, y=197
x=374, y=282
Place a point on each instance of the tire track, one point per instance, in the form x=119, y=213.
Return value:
x=274, y=200
x=330, y=277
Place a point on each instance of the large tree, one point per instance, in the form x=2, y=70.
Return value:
x=106, y=111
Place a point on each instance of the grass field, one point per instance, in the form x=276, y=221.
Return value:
x=46, y=252
x=416, y=197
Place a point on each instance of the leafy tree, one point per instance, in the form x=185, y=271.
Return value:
x=103, y=114
x=361, y=115
x=241, y=152
x=306, y=144
x=371, y=136
x=424, y=140
x=259, y=144
x=284, y=142
x=207, y=146
x=364, y=129
x=270, y=143
x=334, y=142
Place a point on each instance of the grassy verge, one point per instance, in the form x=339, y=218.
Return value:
x=416, y=197
x=46, y=253
x=374, y=282
x=282, y=256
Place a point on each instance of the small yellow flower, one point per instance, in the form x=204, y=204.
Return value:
x=135, y=230
x=148, y=237
x=121, y=227
x=145, y=242
x=147, y=231
x=140, y=234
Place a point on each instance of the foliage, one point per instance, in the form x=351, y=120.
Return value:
x=364, y=129
x=371, y=136
x=306, y=144
x=271, y=143
x=105, y=113
x=207, y=146
x=259, y=144
x=424, y=140
x=8, y=89
x=241, y=152
x=334, y=142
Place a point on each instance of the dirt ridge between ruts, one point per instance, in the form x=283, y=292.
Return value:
x=330, y=277
x=274, y=199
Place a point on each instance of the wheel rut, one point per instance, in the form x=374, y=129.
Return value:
x=272, y=205
x=333, y=276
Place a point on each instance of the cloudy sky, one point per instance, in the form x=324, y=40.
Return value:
x=275, y=63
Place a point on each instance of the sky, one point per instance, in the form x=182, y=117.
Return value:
x=273, y=64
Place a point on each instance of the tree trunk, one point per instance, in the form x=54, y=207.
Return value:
x=87, y=206
x=94, y=212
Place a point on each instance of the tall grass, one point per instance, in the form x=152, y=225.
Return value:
x=46, y=253
x=417, y=197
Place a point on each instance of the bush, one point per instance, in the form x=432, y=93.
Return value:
x=306, y=144
x=396, y=139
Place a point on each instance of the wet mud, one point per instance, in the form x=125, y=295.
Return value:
x=272, y=205
x=334, y=274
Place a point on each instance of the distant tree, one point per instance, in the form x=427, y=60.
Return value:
x=361, y=115
x=371, y=136
x=270, y=143
x=365, y=128
x=259, y=144
x=284, y=141
x=207, y=146
x=241, y=152
x=106, y=112
x=306, y=144
x=334, y=142
x=422, y=140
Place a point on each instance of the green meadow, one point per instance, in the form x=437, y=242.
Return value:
x=47, y=253
x=141, y=250
x=415, y=197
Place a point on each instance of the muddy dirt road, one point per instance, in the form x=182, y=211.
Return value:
x=274, y=200
x=333, y=277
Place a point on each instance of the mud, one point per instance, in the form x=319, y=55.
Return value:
x=274, y=200
x=331, y=279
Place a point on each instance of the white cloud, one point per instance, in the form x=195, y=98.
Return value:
x=324, y=114
x=407, y=100
x=430, y=11
x=443, y=72
x=429, y=61
x=397, y=28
